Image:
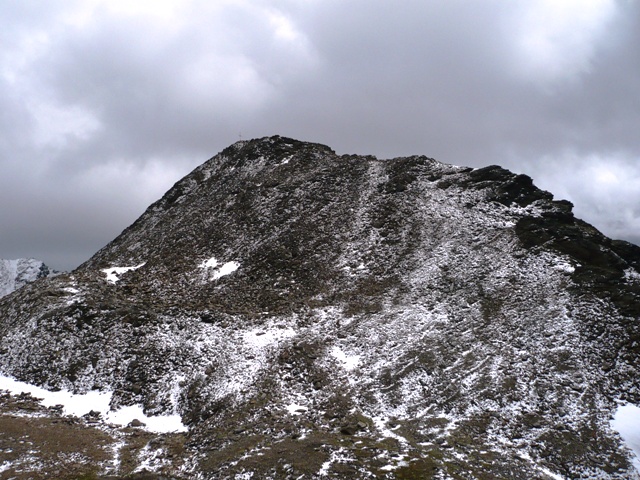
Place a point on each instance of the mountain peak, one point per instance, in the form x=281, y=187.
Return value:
x=308, y=313
x=17, y=273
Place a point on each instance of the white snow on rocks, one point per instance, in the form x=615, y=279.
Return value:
x=211, y=263
x=262, y=337
x=226, y=269
x=73, y=404
x=213, y=271
x=286, y=160
x=151, y=459
x=546, y=471
x=349, y=362
x=631, y=275
x=158, y=424
x=381, y=425
x=81, y=404
x=339, y=456
x=626, y=422
x=295, y=409
x=399, y=462
x=563, y=266
x=113, y=273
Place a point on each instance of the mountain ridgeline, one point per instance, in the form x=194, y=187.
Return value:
x=340, y=316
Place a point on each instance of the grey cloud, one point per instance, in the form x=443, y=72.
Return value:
x=143, y=99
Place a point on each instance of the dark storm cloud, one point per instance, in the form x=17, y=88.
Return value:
x=104, y=105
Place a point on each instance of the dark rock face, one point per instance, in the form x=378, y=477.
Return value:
x=343, y=316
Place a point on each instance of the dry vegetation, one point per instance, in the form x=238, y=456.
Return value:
x=41, y=443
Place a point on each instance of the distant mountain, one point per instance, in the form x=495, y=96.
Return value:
x=16, y=273
x=311, y=315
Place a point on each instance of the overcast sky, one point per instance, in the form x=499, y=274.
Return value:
x=105, y=104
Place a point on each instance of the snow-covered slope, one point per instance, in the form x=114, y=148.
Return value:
x=16, y=273
x=348, y=317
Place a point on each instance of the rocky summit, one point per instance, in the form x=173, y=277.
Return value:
x=314, y=315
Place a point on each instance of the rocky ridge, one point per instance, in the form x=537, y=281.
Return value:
x=342, y=316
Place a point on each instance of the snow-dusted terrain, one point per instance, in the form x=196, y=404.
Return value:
x=325, y=316
x=16, y=273
x=93, y=401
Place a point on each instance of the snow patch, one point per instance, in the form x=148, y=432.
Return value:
x=390, y=467
x=548, y=472
x=74, y=404
x=81, y=404
x=213, y=272
x=243, y=476
x=113, y=273
x=630, y=275
x=562, y=266
x=381, y=426
x=211, y=263
x=158, y=424
x=324, y=469
x=262, y=337
x=226, y=269
x=286, y=160
x=295, y=409
x=349, y=362
x=626, y=422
